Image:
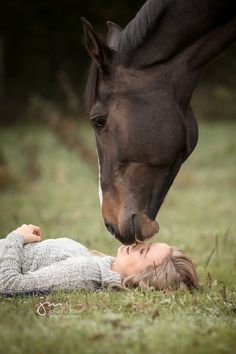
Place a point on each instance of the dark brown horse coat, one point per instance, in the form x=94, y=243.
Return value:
x=138, y=96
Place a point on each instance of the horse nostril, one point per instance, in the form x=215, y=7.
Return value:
x=110, y=229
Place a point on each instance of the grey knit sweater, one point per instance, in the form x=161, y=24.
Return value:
x=53, y=264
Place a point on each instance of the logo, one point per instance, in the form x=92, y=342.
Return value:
x=46, y=308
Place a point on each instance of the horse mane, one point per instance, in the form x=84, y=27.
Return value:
x=138, y=29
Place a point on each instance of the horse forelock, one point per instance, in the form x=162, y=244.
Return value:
x=138, y=29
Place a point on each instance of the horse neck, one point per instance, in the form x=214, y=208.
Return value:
x=182, y=24
x=189, y=64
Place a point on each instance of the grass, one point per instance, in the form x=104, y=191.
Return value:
x=198, y=215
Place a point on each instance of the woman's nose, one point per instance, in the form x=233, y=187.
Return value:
x=137, y=246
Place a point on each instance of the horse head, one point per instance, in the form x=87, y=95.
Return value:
x=138, y=104
x=141, y=136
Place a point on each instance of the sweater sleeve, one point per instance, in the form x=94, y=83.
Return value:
x=70, y=274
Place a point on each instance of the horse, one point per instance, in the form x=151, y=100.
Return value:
x=138, y=94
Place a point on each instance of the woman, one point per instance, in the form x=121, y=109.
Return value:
x=28, y=266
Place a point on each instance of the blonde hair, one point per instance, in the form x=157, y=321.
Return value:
x=177, y=271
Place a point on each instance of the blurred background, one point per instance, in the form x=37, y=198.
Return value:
x=42, y=57
x=49, y=177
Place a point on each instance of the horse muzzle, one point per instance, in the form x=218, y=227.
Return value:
x=136, y=227
x=144, y=228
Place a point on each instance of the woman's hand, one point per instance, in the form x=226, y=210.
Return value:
x=30, y=232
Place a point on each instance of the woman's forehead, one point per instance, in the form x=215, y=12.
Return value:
x=159, y=250
x=160, y=245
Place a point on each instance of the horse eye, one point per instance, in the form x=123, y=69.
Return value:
x=98, y=122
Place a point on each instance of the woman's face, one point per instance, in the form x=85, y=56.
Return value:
x=132, y=260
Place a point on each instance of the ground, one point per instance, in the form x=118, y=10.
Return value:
x=44, y=183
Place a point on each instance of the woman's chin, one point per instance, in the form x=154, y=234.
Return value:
x=120, y=250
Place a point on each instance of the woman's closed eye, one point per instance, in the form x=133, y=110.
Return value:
x=146, y=251
x=142, y=251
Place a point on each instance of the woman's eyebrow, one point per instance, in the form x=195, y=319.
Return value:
x=147, y=251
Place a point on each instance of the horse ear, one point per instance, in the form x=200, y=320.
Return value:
x=97, y=50
x=113, y=35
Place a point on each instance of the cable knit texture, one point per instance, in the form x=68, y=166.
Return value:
x=53, y=264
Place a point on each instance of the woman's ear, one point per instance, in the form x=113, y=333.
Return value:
x=97, y=50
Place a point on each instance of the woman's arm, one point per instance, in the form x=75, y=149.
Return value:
x=11, y=256
x=70, y=274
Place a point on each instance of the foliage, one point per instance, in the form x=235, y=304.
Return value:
x=39, y=40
